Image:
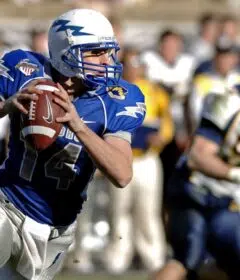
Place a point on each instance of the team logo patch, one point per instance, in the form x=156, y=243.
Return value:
x=117, y=92
x=4, y=71
x=26, y=67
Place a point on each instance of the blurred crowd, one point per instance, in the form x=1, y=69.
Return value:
x=123, y=2
x=232, y=4
x=125, y=229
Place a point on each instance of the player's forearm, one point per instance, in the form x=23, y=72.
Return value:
x=108, y=159
x=209, y=164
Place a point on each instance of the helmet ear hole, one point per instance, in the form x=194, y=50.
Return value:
x=77, y=31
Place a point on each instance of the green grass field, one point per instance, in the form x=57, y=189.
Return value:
x=102, y=276
x=208, y=273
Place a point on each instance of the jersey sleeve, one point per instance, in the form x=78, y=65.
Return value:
x=17, y=69
x=209, y=130
x=7, y=76
x=127, y=117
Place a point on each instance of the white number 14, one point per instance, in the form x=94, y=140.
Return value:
x=61, y=166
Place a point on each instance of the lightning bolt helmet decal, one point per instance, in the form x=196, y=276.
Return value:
x=63, y=26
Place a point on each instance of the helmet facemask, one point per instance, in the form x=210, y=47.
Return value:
x=93, y=74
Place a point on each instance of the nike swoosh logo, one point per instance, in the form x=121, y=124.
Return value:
x=87, y=121
x=49, y=117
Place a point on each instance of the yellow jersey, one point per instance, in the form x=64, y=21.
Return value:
x=157, y=119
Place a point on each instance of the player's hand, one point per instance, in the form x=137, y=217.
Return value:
x=234, y=174
x=19, y=99
x=71, y=117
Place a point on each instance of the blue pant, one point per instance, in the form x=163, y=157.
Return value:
x=201, y=224
x=194, y=233
x=224, y=241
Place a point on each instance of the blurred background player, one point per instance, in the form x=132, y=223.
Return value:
x=215, y=75
x=136, y=212
x=39, y=41
x=170, y=67
x=202, y=46
x=229, y=29
x=204, y=193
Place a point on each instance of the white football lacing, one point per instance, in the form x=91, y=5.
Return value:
x=32, y=110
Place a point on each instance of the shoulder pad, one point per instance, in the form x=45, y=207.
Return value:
x=15, y=56
x=220, y=108
x=21, y=66
x=25, y=62
x=209, y=83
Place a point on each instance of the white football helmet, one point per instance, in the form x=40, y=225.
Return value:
x=82, y=30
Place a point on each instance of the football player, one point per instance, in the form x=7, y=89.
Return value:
x=42, y=193
x=213, y=75
x=205, y=194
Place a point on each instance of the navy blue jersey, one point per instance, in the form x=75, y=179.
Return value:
x=50, y=186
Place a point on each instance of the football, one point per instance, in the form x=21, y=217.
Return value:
x=39, y=126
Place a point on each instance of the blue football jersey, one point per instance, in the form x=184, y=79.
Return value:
x=50, y=186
